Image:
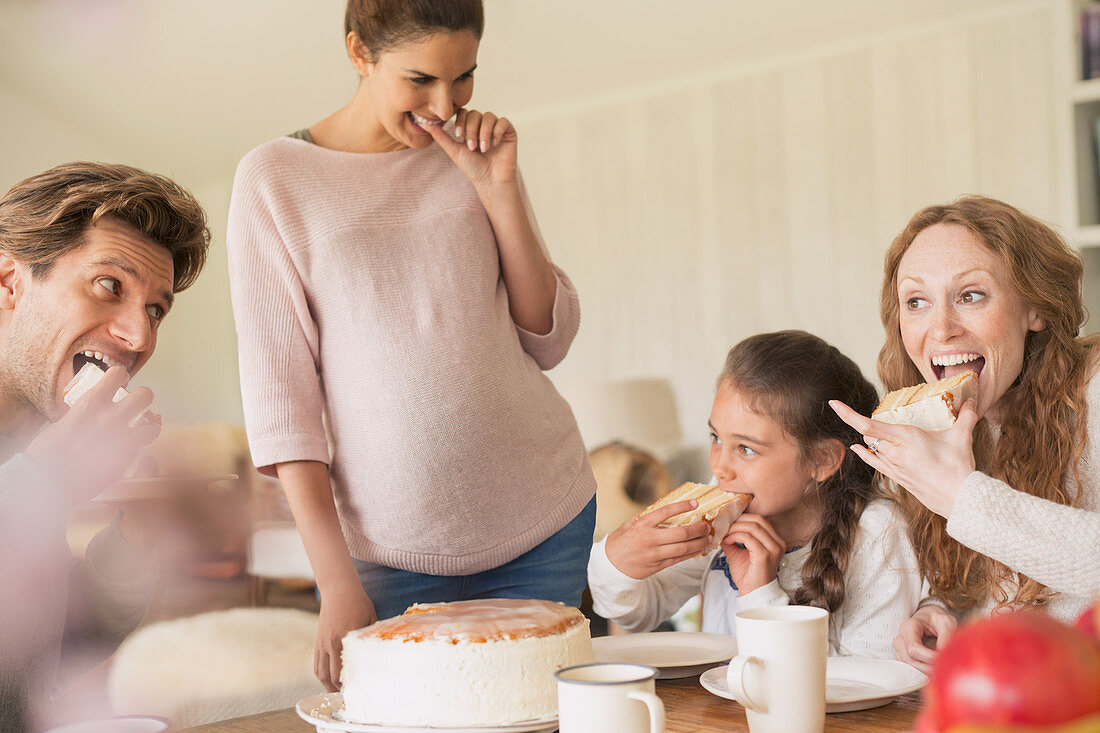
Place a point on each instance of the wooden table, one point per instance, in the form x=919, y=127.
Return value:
x=688, y=707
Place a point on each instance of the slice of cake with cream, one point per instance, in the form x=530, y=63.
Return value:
x=933, y=406
x=89, y=376
x=718, y=508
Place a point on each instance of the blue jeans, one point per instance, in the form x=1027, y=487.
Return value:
x=555, y=570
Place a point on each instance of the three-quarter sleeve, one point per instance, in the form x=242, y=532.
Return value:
x=550, y=348
x=277, y=338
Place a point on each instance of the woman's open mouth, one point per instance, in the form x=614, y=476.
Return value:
x=950, y=365
x=423, y=122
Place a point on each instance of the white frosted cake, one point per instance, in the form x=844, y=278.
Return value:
x=470, y=663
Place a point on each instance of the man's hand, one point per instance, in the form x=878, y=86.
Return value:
x=922, y=635
x=344, y=611
x=640, y=548
x=90, y=447
x=753, y=549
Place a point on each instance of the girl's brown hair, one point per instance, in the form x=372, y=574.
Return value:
x=383, y=25
x=1043, y=433
x=790, y=376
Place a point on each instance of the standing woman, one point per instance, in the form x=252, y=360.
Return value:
x=395, y=309
x=1003, y=507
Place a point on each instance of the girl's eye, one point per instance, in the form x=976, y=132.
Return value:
x=109, y=284
x=971, y=296
x=155, y=312
x=746, y=450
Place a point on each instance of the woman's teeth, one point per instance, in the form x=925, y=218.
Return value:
x=953, y=359
x=424, y=121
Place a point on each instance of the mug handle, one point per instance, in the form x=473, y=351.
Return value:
x=735, y=678
x=656, y=709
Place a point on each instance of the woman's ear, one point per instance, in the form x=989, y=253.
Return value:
x=1035, y=321
x=359, y=54
x=828, y=455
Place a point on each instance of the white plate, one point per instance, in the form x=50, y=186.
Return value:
x=851, y=683
x=674, y=653
x=156, y=487
x=324, y=710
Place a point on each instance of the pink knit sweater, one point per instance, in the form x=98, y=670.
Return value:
x=369, y=301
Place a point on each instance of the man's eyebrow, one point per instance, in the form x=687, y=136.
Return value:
x=114, y=261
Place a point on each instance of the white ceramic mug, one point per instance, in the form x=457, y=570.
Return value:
x=779, y=671
x=609, y=697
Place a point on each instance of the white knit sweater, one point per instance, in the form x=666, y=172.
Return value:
x=1059, y=546
x=882, y=589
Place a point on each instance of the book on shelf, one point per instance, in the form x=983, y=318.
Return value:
x=1090, y=41
x=1096, y=150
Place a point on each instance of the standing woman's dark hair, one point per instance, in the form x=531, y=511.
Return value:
x=791, y=376
x=382, y=25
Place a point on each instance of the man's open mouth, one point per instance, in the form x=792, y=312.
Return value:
x=100, y=359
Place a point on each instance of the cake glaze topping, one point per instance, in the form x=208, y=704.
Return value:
x=476, y=621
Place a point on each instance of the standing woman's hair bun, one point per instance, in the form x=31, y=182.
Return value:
x=383, y=25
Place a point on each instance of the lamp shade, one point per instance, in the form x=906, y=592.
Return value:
x=637, y=411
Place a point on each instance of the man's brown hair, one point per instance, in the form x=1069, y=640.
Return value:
x=45, y=216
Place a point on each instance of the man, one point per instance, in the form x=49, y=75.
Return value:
x=91, y=256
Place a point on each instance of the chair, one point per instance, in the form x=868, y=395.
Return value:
x=275, y=553
x=216, y=665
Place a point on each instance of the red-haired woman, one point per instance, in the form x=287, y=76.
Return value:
x=1003, y=507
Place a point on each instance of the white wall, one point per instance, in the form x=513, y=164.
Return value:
x=763, y=198
x=692, y=203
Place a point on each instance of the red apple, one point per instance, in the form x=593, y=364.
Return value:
x=1089, y=621
x=1021, y=668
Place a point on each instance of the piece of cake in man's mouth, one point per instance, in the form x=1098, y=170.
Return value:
x=933, y=406
x=88, y=377
x=469, y=663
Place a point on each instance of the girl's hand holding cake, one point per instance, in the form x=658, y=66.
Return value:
x=641, y=547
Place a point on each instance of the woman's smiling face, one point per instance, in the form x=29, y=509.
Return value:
x=959, y=311
x=418, y=84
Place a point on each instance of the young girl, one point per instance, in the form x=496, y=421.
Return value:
x=816, y=532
